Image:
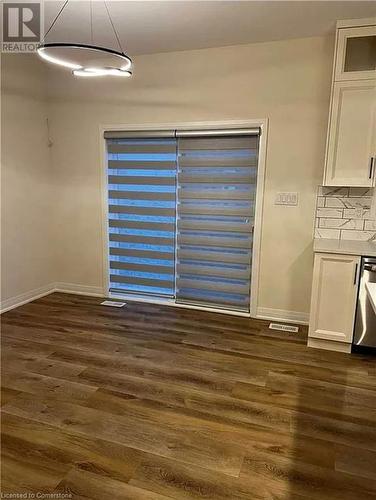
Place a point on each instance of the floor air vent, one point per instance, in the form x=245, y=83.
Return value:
x=283, y=328
x=113, y=303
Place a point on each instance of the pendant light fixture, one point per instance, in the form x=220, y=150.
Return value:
x=87, y=60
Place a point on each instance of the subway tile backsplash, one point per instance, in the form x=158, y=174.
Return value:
x=345, y=213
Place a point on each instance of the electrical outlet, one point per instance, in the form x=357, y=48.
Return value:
x=289, y=199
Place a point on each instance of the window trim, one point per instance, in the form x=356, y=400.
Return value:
x=182, y=126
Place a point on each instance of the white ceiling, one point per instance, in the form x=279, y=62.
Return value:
x=147, y=27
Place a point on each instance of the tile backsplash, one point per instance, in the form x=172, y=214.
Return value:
x=344, y=213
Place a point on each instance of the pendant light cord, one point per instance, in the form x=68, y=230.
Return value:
x=113, y=27
x=56, y=18
x=91, y=23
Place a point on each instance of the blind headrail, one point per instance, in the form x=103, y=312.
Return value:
x=218, y=132
x=139, y=134
x=156, y=134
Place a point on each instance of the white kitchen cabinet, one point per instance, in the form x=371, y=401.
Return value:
x=351, y=144
x=351, y=140
x=334, y=295
x=356, y=53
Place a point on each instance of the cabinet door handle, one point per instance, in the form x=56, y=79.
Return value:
x=356, y=274
x=371, y=165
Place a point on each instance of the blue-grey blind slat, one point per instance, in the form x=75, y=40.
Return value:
x=217, y=179
x=142, y=213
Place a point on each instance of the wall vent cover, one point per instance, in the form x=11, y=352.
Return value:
x=283, y=328
x=113, y=303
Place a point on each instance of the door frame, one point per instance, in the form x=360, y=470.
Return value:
x=257, y=233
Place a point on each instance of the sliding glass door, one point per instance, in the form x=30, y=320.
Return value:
x=181, y=215
x=142, y=215
x=216, y=196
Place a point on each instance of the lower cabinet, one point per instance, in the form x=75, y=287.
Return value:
x=334, y=297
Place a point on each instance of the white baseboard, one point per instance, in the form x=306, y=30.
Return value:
x=74, y=288
x=329, y=345
x=282, y=315
x=97, y=291
x=37, y=293
x=24, y=298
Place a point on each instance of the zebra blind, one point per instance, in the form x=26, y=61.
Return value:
x=216, y=197
x=141, y=211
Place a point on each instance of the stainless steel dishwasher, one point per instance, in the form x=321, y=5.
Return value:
x=365, y=319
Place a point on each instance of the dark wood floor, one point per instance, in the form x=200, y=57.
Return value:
x=151, y=402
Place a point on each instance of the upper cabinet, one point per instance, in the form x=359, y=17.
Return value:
x=356, y=53
x=352, y=135
x=351, y=143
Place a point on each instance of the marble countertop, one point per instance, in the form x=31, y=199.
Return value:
x=371, y=290
x=346, y=247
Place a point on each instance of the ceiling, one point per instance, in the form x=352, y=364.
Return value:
x=147, y=27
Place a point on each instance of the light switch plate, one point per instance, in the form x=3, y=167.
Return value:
x=289, y=199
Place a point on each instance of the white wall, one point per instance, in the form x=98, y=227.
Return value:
x=52, y=211
x=26, y=201
x=286, y=81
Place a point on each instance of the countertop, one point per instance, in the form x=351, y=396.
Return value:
x=371, y=291
x=346, y=247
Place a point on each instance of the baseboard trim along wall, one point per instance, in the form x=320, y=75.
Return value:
x=282, y=315
x=97, y=291
x=37, y=293
x=92, y=291
x=329, y=345
x=24, y=298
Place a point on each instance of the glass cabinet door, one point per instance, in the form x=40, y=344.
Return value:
x=356, y=54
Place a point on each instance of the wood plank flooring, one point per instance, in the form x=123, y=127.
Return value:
x=150, y=402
